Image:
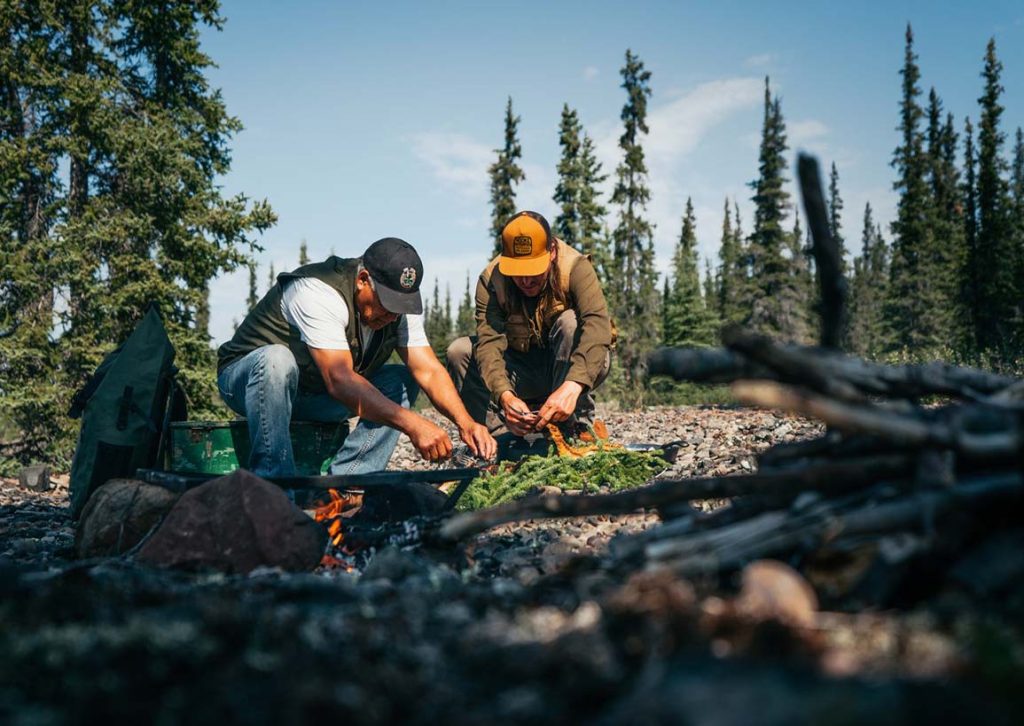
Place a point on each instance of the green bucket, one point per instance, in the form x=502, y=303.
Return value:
x=220, y=447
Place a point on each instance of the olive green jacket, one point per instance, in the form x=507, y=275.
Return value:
x=504, y=320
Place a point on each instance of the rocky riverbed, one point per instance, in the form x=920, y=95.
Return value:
x=530, y=622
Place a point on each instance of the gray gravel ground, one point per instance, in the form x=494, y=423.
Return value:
x=35, y=528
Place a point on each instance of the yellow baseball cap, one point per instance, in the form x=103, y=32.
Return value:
x=524, y=245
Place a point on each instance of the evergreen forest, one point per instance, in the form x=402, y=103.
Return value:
x=112, y=140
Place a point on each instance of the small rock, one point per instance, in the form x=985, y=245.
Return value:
x=35, y=478
x=391, y=563
x=782, y=430
x=118, y=515
x=773, y=590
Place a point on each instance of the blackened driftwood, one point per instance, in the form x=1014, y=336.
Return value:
x=834, y=445
x=753, y=356
x=906, y=430
x=703, y=365
x=827, y=256
x=772, y=533
x=832, y=478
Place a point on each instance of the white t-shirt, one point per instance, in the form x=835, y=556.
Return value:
x=321, y=315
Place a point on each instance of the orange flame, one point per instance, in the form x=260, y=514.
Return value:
x=339, y=506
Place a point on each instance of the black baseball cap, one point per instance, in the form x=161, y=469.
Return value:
x=396, y=270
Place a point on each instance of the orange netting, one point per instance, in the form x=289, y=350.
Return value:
x=575, y=451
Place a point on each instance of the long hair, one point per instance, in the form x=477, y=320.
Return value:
x=552, y=293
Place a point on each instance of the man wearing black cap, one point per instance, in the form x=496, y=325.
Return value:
x=315, y=347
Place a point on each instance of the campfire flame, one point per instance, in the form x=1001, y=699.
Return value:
x=340, y=506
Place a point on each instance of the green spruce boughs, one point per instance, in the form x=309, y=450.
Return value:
x=614, y=468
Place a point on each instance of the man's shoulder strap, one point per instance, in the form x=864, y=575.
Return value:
x=568, y=258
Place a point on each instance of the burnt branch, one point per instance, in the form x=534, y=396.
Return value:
x=826, y=254
x=772, y=533
x=905, y=430
x=753, y=356
x=826, y=477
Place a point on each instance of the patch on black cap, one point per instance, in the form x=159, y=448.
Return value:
x=397, y=271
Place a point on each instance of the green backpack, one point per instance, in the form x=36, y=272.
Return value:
x=125, y=407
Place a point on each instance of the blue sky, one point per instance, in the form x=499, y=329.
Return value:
x=364, y=120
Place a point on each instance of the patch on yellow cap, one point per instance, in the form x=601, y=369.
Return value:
x=524, y=245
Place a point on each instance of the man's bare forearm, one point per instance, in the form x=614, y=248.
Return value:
x=435, y=382
x=363, y=398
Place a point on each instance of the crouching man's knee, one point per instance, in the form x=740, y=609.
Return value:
x=563, y=334
x=459, y=355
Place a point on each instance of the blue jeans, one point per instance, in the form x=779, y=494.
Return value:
x=264, y=387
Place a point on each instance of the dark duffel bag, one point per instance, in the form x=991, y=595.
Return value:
x=125, y=407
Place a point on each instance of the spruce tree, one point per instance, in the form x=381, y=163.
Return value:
x=1017, y=215
x=669, y=314
x=835, y=209
x=835, y=225
x=634, y=286
x=119, y=138
x=910, y=311
x=778, y=308
x=727, y=293
x=166, y=191
x=581, y=215
x=997, y=289
x=303, y=253
x=254, y=295
x=593, y=237
x=505, y=174
x=867, y=291
x=567, y=188
x=711, y=302
x=743, y=281
x=1017, y=178
x=943, y=262
x=970, y=272
x=465, y=321
x=32, y=392
x=686, y=322
x=803, y=282
x=448, y=322
x=437, y=321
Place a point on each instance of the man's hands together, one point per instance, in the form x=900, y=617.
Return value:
x=517, y=414
x=559, y=406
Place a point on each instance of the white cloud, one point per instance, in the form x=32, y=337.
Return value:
x=456, y=160
x=590, y=73
x=677, y=128
x=760, y=60
x=802, y=132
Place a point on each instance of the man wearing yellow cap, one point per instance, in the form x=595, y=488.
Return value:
x=543, y=337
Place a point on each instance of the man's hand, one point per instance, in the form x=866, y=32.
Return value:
x=517, y=414
x=478, y=439
x=561, y=404
x=430, y=440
